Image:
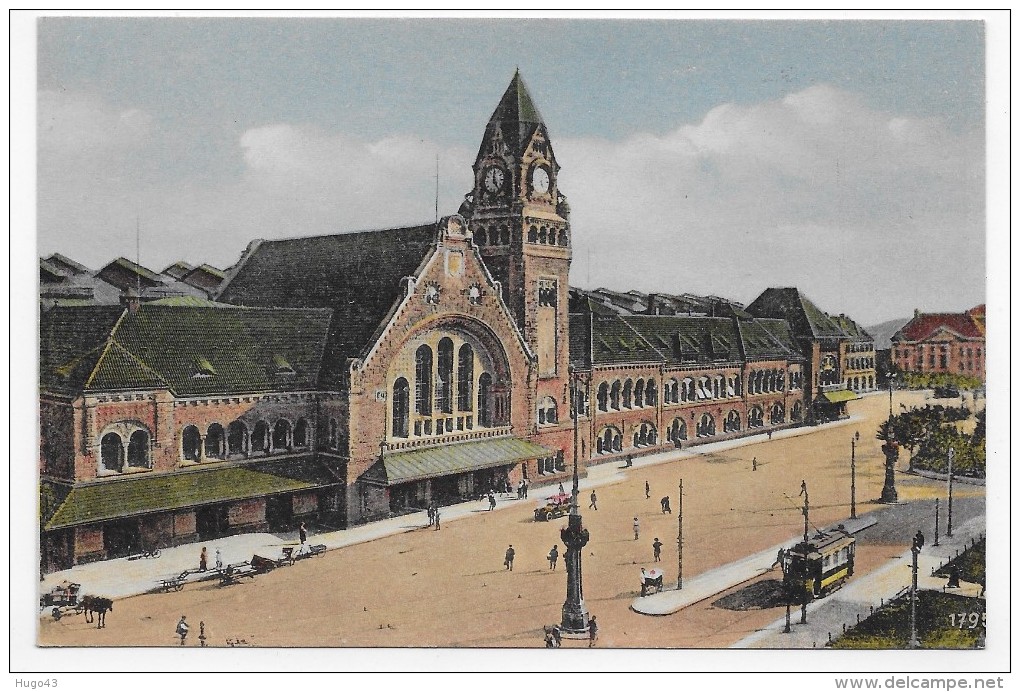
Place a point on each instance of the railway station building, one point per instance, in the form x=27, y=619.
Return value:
x=344, y=378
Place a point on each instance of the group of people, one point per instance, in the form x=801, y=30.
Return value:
x=183, y=628
x=433, y=512
x=203, y=559
x=554, y=635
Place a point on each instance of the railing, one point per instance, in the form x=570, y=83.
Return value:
x=447, y=438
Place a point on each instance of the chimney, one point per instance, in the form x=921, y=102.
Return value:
x=132, y=300
x=917, y=313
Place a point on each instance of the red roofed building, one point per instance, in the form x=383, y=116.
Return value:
x=941, y=342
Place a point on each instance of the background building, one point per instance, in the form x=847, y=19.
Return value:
x=942, y=342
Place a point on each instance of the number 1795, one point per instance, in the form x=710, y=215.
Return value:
x=967, y=620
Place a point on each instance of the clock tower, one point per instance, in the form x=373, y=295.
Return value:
x=520, y=223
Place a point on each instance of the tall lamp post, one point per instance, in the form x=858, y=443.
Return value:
x=891, y=449
x=574, y=535
x=853, y=474
x=949, y=504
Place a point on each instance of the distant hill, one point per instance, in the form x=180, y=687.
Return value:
x=882, y=333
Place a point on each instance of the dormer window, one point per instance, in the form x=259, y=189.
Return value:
x=203, y=368
x=281, y=367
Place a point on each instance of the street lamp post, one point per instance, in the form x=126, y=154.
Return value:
x=936, y=522
x=949, y=504
x=891, y=449
x=574, y=537
x=914, y=550
x=853, y=474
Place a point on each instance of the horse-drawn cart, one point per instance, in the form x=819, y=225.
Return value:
x=232, y=574
x=651, y=581
x=62, y=598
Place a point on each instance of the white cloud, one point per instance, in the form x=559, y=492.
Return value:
x=802, y=190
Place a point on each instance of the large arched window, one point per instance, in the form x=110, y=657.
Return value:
x=717, y=387
x=614, y=396
x=651, y=393
x=609, y=440
x=628, y=391
x=796, y=412
x=282, y=434
x=301, y=433
x=214, y=442
x=676, y=431
x=138, y=450
x=112, y=452
x=732, y=422
x=645, y=435
x=706, y=426
x=260, y=437
x=671, y=392
x=603, y=396
x=777, y=414
x=547, y=411
x=423, y=381
x=755, y=417
x=465, y=378
x=687, y=390
x=237, y=438
x=485, y=400
x=639, y=393
x=191, y=440
x=401, y=404
x=444, y=376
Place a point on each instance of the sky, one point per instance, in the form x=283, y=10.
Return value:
x=846, y=158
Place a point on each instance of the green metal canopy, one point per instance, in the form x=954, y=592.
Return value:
x=433, y=462
x=839, y=396
x=145, y=493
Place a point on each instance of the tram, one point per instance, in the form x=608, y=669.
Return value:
x=819, y=565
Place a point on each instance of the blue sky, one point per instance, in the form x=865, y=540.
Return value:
x=703, y=156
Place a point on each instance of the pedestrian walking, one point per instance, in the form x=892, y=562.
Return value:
x=657, y=549
x=754, y=464
x=557, y=634
x=919, y=539
x=432, y=514
x=648, y=490
x=779, y=558
x=520, y=490
x=219, y=559
x=562, y=491
x=593, y=632
x=492, y=502
x=526, y=484
x=508, y=561
x=770, y=435
x=437, y=519
x=554, y=555
x=664, y=503
x=954, y=578
x=550, y=641
x=592, y=504
x=630, y=460
x=637, y=528
x=182, y=629
x=203, y=560
x=303, y=533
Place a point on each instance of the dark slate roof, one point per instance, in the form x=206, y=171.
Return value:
x=50, y=273
x=125, y=274
x=790, y=304
x=205, y=277
x=684, y=340
x=580, y=340
x=357, y=275
x=71, y=340
x=767, y=339
x=67, y=263
x=615, y=341
x=851, y=328
x=190, y=350
x=178, y=269
x=926, y=324
x=516, y=117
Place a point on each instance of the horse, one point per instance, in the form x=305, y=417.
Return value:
x=95, y=608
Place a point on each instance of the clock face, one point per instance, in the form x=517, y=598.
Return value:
x=540, y=179
x=494, y=179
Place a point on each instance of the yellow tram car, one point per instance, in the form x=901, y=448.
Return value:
x=819, y=565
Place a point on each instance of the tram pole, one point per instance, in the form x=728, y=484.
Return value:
x=853, y=474
x=914, y=550
x=680, y=539
x=936, y=522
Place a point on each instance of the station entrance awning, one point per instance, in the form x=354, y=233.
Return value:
x=460, y=457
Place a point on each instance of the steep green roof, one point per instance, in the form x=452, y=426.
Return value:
x=790, y=304
x=190, y=350
x=515, y=119
x=146, y=493
x=356, y=275
x=615, y=341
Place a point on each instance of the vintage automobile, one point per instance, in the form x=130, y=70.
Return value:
x=554, y=507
